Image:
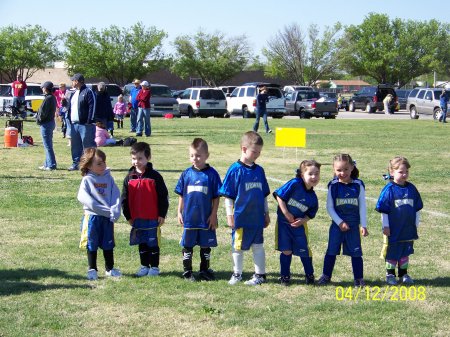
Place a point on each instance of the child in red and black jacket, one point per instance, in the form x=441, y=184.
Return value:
x=145, y=203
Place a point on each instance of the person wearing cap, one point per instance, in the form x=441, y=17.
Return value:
x=19, y=91
x=134, y=104
x=143, y=117
x=81, y=111
x=45, y=118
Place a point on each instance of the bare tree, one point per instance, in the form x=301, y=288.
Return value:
x=303, y=59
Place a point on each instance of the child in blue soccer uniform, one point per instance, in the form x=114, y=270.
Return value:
x=100, y=197
x=399, y=204
x=297, y=204
x=346, y=205
x=245, y=189
x=198, y=190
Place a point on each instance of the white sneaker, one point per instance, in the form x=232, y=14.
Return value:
x=143, y=271
x=113, y=273
x=255, y=280
x=92, y=275
x=154, y=271
x=235, y=278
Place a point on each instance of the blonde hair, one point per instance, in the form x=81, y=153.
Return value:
x=395, y=163
x=88, y=157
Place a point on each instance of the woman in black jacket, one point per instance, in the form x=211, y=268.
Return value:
x=46, y=119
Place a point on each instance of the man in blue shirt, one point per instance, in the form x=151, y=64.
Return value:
x=134, y=104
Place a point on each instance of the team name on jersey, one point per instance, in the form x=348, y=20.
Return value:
x=347, y=201
x=249, y=186
x=100, y=185
x=296, y=204
x=401, y=202
x=197, y=188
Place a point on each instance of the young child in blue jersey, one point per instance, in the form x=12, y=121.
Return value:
x=399, y=204
x=198, y=190
x=346, y=205
x=245, y=189
x=145, y=203
x=297, y=204
x=100, y=197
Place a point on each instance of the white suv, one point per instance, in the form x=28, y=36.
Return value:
x=242, y=100
x=202, y=102
x=33, y=98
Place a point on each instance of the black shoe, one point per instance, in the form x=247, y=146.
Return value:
x=188, y=276
x=285, y=281
x=324, y=280
x=138, y=134
x=207, y=275
x=310, y=279
x=73, y=168
x=120, y=142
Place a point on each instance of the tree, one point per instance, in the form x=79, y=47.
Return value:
x=395, y=51
x=117, y=54
x=25, y=50
x=212, y=57
x=293, y=56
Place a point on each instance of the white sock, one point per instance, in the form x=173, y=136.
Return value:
x=259, y=258
x=238, y=261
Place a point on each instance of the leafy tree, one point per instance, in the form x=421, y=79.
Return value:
x=303, y=59
x=25, y=50
x=395, y=51
x=117, y=54
x=212, y=57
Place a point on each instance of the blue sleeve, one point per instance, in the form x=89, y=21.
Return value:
x=385, y=200
x=312, y=211
x=216, y=185
x=266, y=188
x=179, y=189
x=418, y=202
x=285, y=191
x=230, y=182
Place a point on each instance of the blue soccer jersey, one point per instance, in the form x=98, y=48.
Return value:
x=300, y=202
x=198, y=188
x=400, y=203
x=345, y=199
x=248, y=187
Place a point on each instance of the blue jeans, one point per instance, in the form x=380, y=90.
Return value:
x=261, y=112
x=68, y=125
x=143, y=119
x=47, y=139
x=444, y=114
x=82, y=136
x=133, y=119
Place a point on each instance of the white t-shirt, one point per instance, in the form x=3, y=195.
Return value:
x=74, y=107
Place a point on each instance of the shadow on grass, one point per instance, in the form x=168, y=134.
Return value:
x=18, y=281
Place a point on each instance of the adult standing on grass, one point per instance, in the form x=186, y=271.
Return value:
x=134, y=104
x=261, y=111
x=19, y=91
x=103, y=109
x=45, y=118
x=82, y=116
x=143, y=117
x=443, y=104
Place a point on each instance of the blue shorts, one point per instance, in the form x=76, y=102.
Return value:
x=145, y=231
x=96, y=231
x=242, y=239
x=395, y=251
x=294, y=239
x=350, y=241
x=198, y=237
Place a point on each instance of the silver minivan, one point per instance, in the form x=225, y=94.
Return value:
x=425, y=101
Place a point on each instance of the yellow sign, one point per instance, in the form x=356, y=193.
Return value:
x=290, y=137
x=36, y=104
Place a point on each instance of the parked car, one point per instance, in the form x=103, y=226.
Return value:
x=344, y=102
x=242, y=100
x=307, y=104
x=228, y=89
x=402, y=95
x=177, y=93
x=370, y=99
x=425, y=101
x=162, y=100
x=290, y=88
x=33, y=98
x=202, y=102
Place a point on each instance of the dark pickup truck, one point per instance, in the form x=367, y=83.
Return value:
x=307, y=104
x=370, y=99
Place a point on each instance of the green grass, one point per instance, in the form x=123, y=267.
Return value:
x=43, y=290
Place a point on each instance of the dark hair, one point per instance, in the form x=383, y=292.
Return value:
x=141, y=147
x=251, y=138
x=305, y=164
x=348, y=159
x=100, y=124
x=87, y=158
x=199, y=144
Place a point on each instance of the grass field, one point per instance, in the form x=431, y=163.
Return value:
x=43, y=286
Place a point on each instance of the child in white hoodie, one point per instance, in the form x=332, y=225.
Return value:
x=100, y=197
